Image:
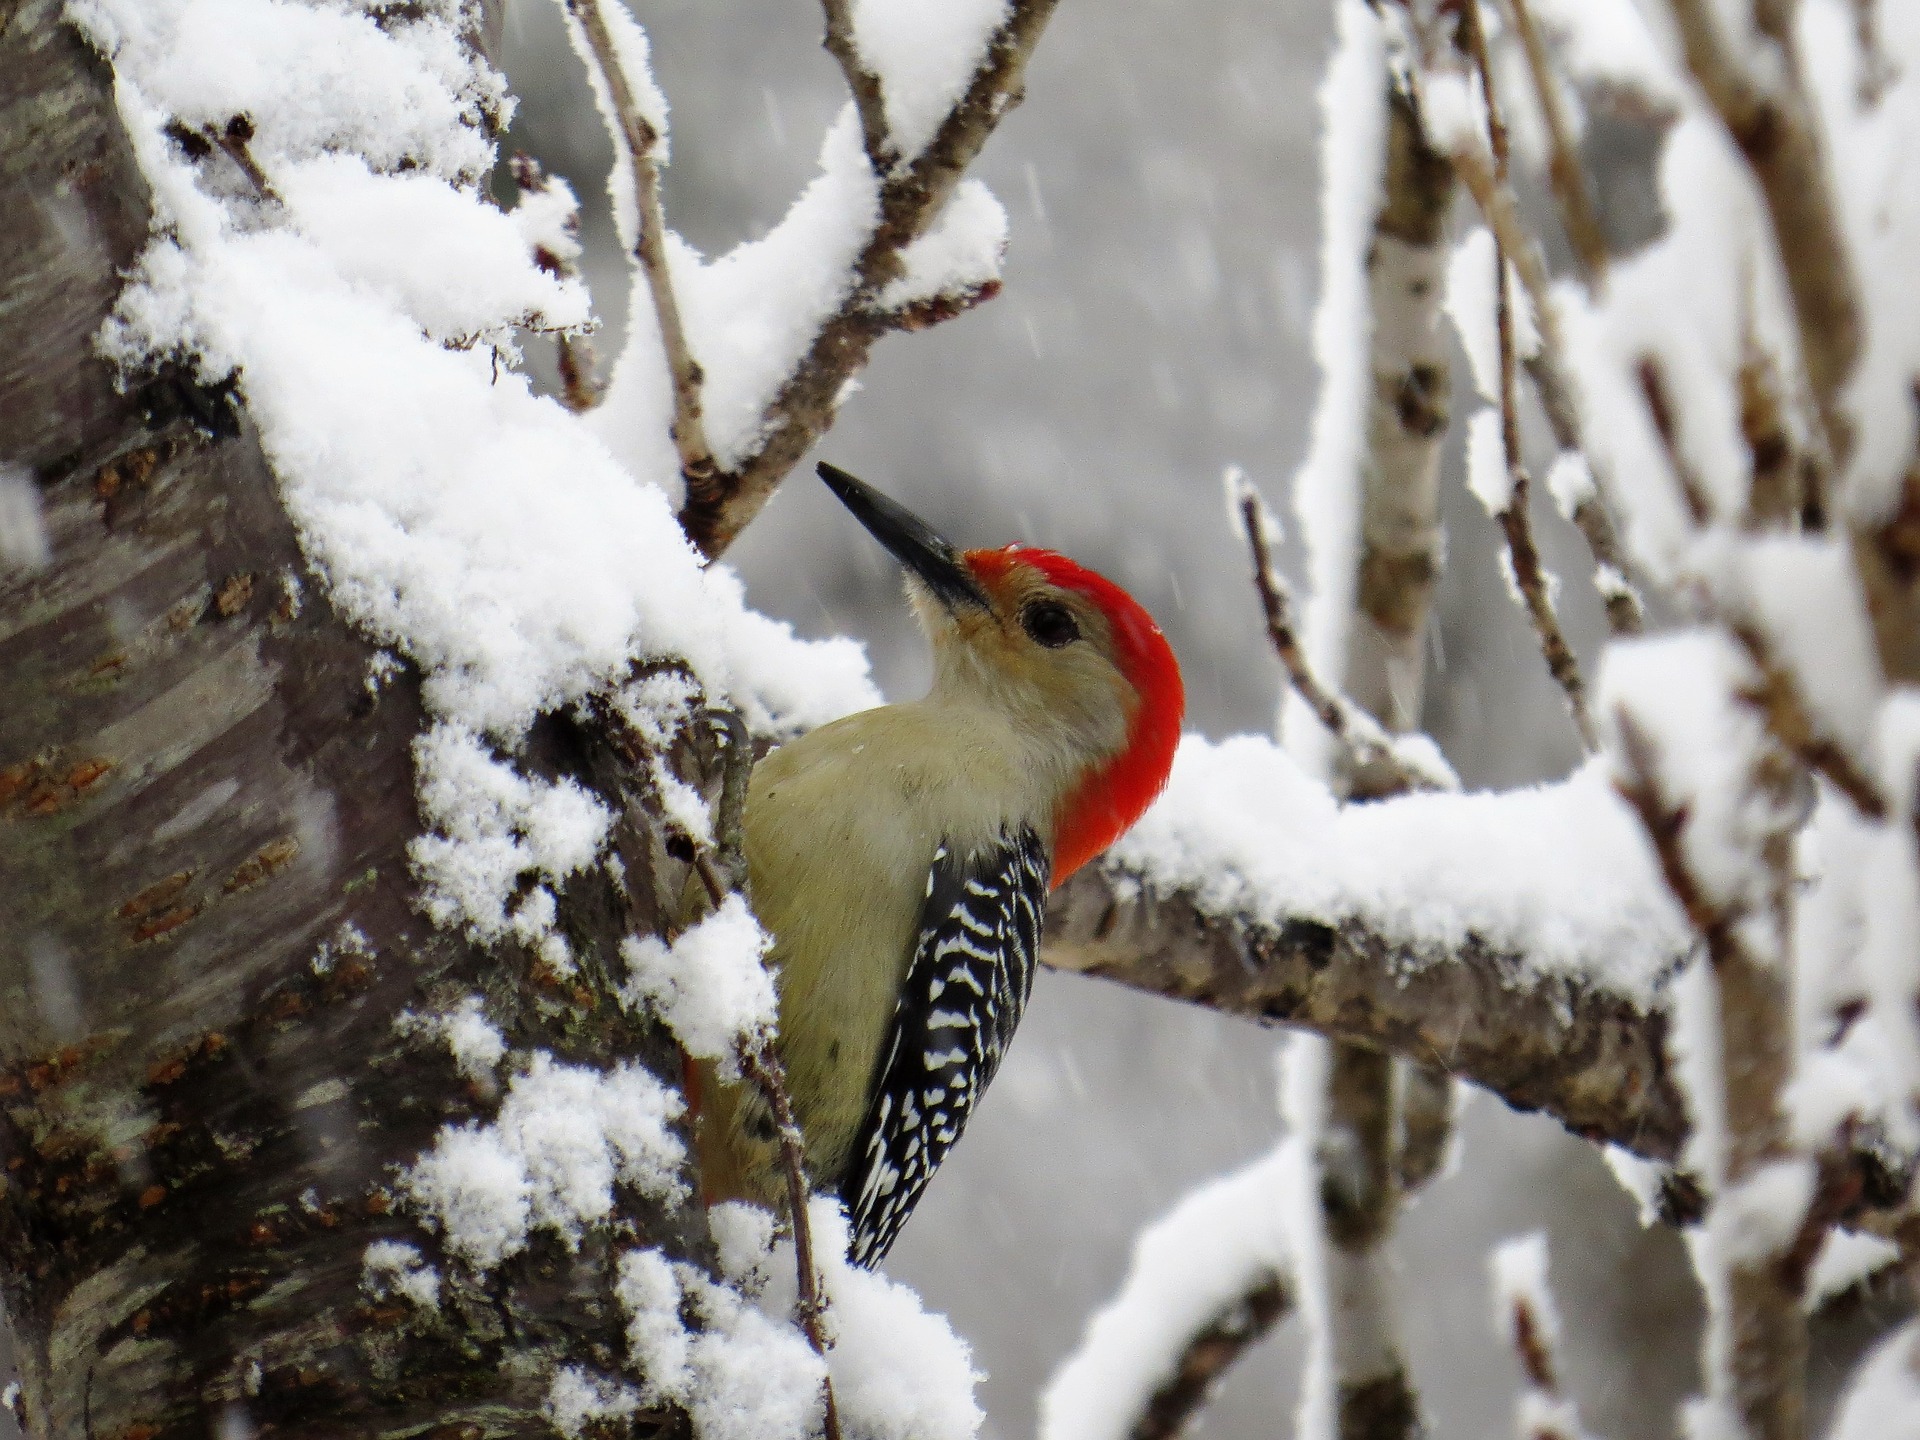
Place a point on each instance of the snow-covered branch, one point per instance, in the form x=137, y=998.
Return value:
x=1207, y=1280
x=1523, y=941
x=906, y=273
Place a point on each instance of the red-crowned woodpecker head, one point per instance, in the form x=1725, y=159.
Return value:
x=1063, y=655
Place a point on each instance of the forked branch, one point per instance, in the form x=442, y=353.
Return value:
x=912, y=192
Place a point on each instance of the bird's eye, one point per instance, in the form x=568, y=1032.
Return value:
x=1050, y=624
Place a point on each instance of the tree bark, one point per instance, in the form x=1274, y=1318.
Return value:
x=204, y=1099
x=1594, y=1060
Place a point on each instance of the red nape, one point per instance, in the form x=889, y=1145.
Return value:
x=1110, y=799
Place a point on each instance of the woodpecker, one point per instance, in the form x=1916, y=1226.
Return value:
x=901, y=859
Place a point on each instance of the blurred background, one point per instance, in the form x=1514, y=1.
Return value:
x=1162, y=183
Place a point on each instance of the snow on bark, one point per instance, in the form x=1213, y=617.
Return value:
x=710, y=985
x=564, y=1136
x=924, y=55
x=1557, y=872
x=477, y=528
x=393, y=1267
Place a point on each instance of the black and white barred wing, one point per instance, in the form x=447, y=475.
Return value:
x=971, y=974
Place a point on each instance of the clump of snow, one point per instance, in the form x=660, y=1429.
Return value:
x=393, y=1267
x=1558, y=873
x=1759, y=1217
x=1188, y=1268
x=1488, y=476
x=478, y=1046
x=710, y=986
x=493, y=826
x=1326, y=490
x=924, y=56
x=549, y=1160
x=1803, y=593
x=899, y=1371
x=1455, y=118
x=347, y=940
x=744, y=1375
x=961, y=251
x=1570, y=481
x=578, y=1398
x=752, y=312
x=367, y=224
x=1847, y=1257
x=1641, y=1179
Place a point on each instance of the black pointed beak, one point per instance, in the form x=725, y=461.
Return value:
x=914, y=543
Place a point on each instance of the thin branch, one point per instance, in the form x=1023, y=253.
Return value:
x=1665, y=825
x=1516, y=521
x=1568, y=176
x=1532, y=1328
x=1207, y=1358
x=1498, y=206
x=758, y=1060
x=1357, y=733
x=1774, y=126
x=912, y=194
x=688, y=427
x=1759, y=1368
x=1783, y=705
x=581, y=385
x=764, y=1069
x=869, y=97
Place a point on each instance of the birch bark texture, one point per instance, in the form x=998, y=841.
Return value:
x=206, y=799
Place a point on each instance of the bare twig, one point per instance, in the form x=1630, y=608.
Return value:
x=912, y=194
x=1356, y=731
x=764, y=1069
x=1516, y=521
x=1208, y=1356
x=1532, y=1329
x=1494, y=197
x=650, y=250
x=1774, y=125
x=1659, y=398
x=758, y=1060
x=581, y=385
x=1568, y=176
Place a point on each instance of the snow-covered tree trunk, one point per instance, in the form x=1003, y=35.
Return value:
x=207, y=933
